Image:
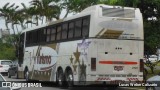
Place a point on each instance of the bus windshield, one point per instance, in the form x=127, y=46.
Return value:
x=118, y=12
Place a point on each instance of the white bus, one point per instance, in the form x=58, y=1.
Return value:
x=101, y=44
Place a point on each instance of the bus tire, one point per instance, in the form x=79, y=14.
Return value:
x=69, y=78
x=60, y=78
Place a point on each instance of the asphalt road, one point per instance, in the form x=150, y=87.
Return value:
x=53, y=87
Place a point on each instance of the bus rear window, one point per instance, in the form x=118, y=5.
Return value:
x=118, y=12
x=6, y=62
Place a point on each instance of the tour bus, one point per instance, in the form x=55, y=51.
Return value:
x=102, y=44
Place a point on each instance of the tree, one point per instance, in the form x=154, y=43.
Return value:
x=74, y=6
x=49, y=11
x=9, y=14
x=151, y=15
x=7, y=51
x=5, y=14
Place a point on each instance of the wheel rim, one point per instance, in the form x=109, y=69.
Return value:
x=70, y=79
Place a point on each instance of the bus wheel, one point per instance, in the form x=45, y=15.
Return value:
x=69, y=78
x=60, y=78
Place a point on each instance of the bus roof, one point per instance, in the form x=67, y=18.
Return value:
x=86, y=11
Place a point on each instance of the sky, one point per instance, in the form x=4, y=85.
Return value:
x=17, y=2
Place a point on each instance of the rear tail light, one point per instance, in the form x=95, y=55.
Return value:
x=141, y=65
x=93, y=64
x=1, y=66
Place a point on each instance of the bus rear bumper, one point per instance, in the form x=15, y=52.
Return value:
x=113, y=80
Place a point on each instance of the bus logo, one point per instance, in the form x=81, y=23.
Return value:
x=118, y=68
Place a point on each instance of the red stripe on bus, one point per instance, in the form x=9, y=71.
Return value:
x=117, y=62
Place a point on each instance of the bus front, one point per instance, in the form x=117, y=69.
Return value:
x=116, y=54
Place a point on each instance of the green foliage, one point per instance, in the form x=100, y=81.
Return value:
x=7, y=51
x=128, y=3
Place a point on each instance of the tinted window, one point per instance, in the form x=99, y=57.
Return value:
x=59, y=29
x=78, y=25
x=41, y=35
x=85, y=29
x=6, y=62
x=28, y=36
x=34, y=35
x=64, y=31
x=71, y=30
x=48, y=34
x=31, y=37
x=53, y=34
x=118, y=12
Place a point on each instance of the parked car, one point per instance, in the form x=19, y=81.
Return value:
x=4, y=66
x=13, y=69
x=153, y=58
x=2, y=80
x=154, y=80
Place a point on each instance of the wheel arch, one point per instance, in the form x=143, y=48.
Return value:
x=68, y=68
x=26, y=68
x=59, y=68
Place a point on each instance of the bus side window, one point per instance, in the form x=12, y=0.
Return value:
x=78, y=28
x=43, y=35
x=27, y=38
x=48, y=34
x=38, y=36
x=85, y=27
x=64, y=30
x=59, y=30
x=35, y=36
x=53, y=34
x=71, y=30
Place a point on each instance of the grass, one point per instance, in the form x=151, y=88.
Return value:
x=156, y=71
x=158, y=64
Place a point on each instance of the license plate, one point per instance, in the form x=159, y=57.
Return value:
x=118, y=68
